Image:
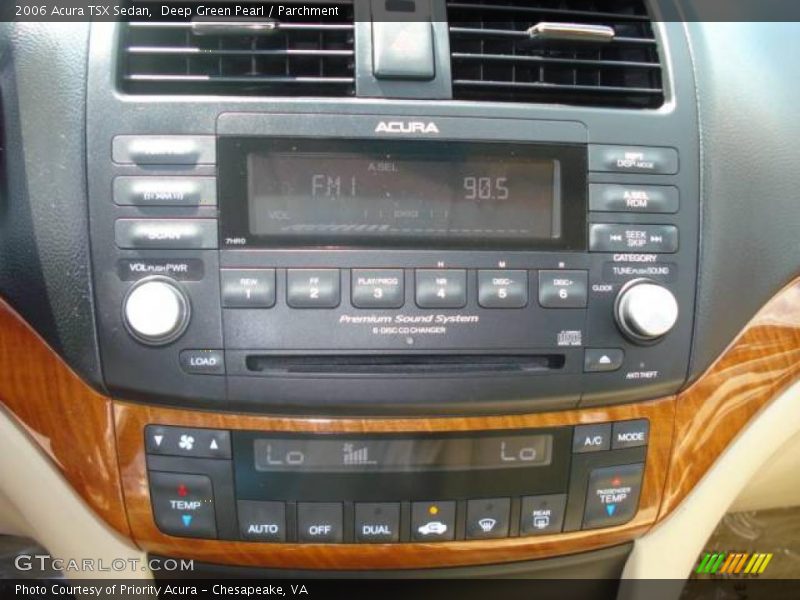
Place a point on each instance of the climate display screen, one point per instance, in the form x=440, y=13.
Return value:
x=434, y=454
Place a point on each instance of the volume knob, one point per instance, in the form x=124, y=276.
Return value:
x=156, y=311
x=645, y=311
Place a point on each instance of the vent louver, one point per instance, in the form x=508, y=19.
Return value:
x=296, y=58
x=495, y=57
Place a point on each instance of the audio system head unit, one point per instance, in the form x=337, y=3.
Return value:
x=345, y=263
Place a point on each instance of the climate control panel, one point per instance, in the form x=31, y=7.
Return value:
x=388, y=489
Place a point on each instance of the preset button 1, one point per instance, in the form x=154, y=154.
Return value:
x=248, y=288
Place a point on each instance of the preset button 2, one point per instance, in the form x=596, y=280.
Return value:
x=313, y=288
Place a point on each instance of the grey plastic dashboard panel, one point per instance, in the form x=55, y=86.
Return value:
x=44, y=246
x=750, y=161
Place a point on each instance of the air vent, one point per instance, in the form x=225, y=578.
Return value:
x=586, y=52
x=284, y=59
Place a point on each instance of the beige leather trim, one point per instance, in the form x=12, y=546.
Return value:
x=776, y=484
x=46, y=508
x=670, y=550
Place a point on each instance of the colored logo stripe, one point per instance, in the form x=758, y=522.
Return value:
x=734, y=564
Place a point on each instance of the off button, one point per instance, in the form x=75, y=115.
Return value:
x=319, y=522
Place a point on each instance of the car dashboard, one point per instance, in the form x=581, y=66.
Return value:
x=406, y=290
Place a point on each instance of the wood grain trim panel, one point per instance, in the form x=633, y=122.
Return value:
x=69, y=421
x=763, y=360
x=75, y=427
x=131, y=420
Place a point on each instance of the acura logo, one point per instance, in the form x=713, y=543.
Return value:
x=406, y=127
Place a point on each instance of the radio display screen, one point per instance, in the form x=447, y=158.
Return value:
x=355, y=193
x=402, y=455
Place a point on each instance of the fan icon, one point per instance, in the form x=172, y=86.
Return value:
x=186, y=442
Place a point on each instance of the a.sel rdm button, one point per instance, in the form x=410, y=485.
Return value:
x=611, y=197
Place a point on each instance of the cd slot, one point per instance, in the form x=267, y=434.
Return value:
x=433, y=364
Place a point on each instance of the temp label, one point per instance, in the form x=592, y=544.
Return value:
x=436, y=324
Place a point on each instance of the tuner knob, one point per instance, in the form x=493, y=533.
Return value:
x=645, y=311
x=156, y=311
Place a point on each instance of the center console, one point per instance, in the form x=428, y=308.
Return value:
x=370, y=327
